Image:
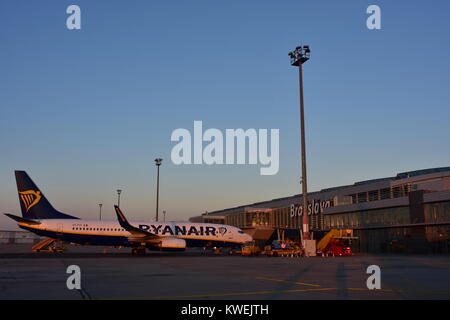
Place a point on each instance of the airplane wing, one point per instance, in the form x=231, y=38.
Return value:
x=138, y=235
x=22, y=220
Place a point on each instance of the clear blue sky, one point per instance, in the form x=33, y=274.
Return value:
x=86, y=112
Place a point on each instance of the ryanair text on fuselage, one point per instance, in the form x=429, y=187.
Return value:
x=182, y=230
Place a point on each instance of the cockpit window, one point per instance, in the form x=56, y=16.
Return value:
x=240, y=231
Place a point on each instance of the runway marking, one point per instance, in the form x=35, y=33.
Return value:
x=294, y=282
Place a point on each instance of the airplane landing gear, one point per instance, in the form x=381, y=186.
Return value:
x=140, y=251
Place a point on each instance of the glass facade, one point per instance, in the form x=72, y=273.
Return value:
x=270, y=218
x=368, y=218
x=381, y=194
x=410, y=240
x=372, y=227
x=437, y=212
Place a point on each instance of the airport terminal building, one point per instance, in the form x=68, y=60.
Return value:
x=407, y=213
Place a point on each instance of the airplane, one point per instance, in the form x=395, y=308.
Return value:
x=39, y=217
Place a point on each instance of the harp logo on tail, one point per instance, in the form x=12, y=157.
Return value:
x=30, y=198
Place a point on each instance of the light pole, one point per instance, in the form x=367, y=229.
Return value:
x=100, y=205
x=299, y=56
x=158, y=162
x=118, y=197
x=164, y=212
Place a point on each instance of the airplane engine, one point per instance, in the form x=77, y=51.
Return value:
x=172, y=244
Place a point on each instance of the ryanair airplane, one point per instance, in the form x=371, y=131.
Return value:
x=39, y=216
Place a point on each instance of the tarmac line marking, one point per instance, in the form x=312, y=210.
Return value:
x=224, y=294
x=295, y=282
x=280, y=291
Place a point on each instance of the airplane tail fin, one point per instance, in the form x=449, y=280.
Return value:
x=33, y=203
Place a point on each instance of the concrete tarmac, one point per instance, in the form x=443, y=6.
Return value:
x=194, y=275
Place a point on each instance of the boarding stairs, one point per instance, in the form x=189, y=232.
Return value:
x=46, y=245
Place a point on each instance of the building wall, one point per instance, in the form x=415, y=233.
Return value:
x=406, y=213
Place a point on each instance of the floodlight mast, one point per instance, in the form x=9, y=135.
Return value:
x=299, y=56
x=158, y=162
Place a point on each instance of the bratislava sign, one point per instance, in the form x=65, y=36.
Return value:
x=314, y=208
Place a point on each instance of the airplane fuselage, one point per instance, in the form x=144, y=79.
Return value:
x=110, y=233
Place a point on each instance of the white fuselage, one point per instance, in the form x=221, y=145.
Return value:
x=110, y=232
